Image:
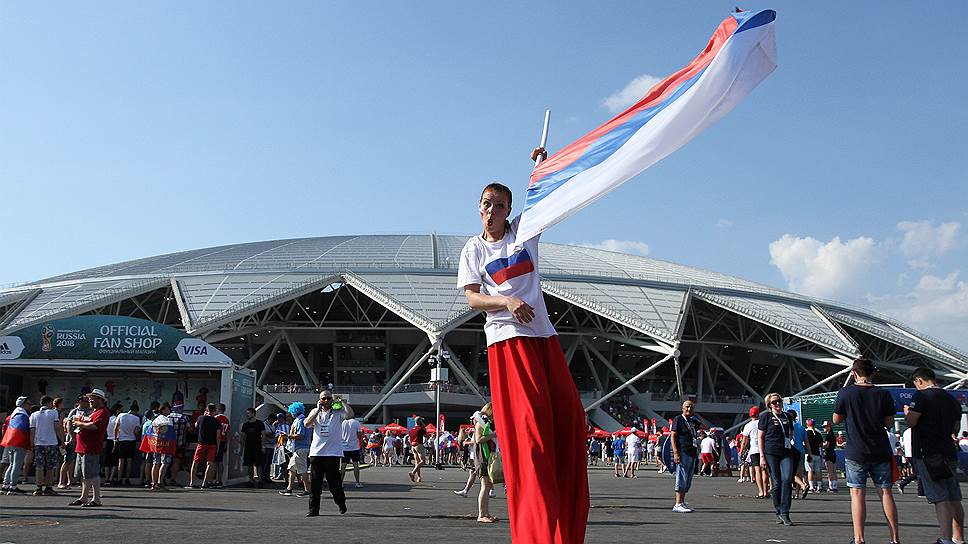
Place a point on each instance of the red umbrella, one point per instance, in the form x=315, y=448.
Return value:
x=365, y=429
x=598, y=433
x=624, y=432
x=430, y=428
x=394, y=428
x=466, y=426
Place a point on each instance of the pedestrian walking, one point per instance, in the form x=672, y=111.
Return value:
x=326, y=451
x=753, y=454
x=867, y=411
x=777, y=456
x=935, y=416
x=90, y=445
x=353, y=438
x=813, y=461
x=16, y=442
x=685, y=443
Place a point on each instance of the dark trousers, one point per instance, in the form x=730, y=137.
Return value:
x=266, y=464
x=781, y=472
x=328, y=467
x=903, y=482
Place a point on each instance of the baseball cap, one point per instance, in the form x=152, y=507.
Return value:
x=810, y=421
x=755, y=411
x=826, y=423
x=21, y=401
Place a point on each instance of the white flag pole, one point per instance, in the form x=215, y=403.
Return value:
x=544, y=137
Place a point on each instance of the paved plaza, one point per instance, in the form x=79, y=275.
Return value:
x=389, y=505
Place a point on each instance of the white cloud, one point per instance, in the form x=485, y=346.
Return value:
x=621, y=246
x=937, y=305
x=922, y=240
x=724, y=223
x=822, y=269
x=631, y=94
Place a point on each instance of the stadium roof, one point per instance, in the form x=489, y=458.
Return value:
x=413, y=276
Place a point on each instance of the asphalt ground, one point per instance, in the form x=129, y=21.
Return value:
x=391, y=509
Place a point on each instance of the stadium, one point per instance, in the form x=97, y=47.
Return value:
x=371, y=314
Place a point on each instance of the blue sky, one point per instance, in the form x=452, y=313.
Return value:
x=139, y=129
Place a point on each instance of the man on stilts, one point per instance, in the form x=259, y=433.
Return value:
x=539, y=416
x=536, y=405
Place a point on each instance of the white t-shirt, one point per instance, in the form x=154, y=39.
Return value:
x=43, y=422
x=128, y=426
x=328, y=434
x=500, y=272
x=906, y=443
x=112, y=427
x=708, y=445
x=633, y=444
x=351, y=437
x=389, y=443
x=892, y=440
x=752, y=432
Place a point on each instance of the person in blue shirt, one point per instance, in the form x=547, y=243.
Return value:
x=801, y=488
x=301, y=438
x=594, y=451
x=618, y=452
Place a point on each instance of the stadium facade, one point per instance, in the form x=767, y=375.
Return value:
x=370, y=313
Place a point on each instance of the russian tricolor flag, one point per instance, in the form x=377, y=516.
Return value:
x=502, y=270
x=18, y=430
x=740, y=54
x=159, y=438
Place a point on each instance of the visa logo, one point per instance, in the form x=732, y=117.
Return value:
x=194, y=350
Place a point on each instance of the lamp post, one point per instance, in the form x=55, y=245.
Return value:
x=438, y=376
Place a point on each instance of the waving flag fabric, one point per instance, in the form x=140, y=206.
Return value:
x=18, y=430
x=740, y=54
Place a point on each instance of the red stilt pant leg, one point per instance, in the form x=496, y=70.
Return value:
x=541, y=431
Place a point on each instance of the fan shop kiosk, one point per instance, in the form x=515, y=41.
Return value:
x=131, y=360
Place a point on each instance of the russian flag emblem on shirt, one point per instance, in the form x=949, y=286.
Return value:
x=502, y=270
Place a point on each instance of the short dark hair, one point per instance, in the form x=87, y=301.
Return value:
x=221, y=406
x=498, y=188
x=211, y=407
x=864, y=367
x=46, y=399
x=924, y=373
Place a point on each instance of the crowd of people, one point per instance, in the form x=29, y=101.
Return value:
x=307, y=450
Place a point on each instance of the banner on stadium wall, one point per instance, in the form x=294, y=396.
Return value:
x=107, y=338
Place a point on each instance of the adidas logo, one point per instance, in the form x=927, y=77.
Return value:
x=4, y=349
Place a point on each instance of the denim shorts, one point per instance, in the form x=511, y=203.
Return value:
x=940, y=490
x=684, y=473
x=880, y=474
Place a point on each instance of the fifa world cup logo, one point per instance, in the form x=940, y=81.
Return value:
x=45, y=336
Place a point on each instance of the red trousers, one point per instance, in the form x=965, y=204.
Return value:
x=541, y=434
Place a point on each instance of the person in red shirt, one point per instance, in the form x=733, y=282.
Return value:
x=90, y=444
x=417, y=434
x=224, y=428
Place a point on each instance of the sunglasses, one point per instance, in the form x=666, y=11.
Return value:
x=776, y=401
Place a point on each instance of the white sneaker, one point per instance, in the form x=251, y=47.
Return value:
x=680, y=509
x=359, y=484
x=741, y=480
x=491, y=494
x=686, y=505
x=460, y=493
